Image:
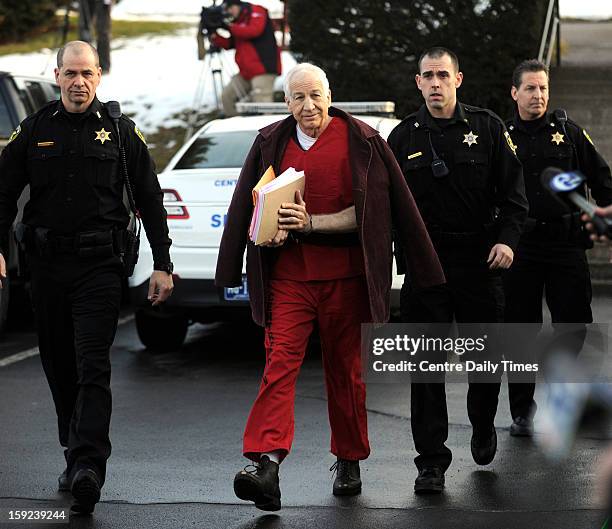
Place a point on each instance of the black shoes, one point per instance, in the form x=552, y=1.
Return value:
x=86, y=490
x=63, y=483
x=521, y=427
x=429, y=481
x=484, y=446
x=348, y=478
x=259, y=485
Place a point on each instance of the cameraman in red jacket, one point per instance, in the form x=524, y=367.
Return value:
x=257, y=54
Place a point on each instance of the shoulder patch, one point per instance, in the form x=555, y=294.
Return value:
x=586, y=135
x=140, y=134
x=16, y=132
x=510, y=142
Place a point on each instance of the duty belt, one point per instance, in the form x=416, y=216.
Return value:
x=561, y=223
x=84, y=244
x=47, y=243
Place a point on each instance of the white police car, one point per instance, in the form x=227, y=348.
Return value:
x=198, y=184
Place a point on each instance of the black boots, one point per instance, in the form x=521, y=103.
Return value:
x=484, y=446
x=429, y=481
x=521, y=427
x=86, y=490
x=348, y=478
x=259, y=485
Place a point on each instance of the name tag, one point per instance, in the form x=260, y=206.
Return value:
x=45, y=143
x=415, y=155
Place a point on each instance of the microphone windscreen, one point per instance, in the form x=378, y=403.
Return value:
x=114, y=109
x=548, y=174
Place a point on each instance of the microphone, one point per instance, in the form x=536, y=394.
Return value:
x=114, y=110
x=563, y=185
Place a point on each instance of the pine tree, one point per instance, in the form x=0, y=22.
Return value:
x=370, y=48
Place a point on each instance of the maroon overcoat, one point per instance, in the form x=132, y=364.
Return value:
x=382, y=202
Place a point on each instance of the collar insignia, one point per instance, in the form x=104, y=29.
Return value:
x=102, y=135
x=470, y=139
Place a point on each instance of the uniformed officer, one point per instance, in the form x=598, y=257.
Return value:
x=551, y=254
x=468, y=185
x=68, y=153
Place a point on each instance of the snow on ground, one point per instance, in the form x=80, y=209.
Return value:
x=178, y=9
x=181, y=8
x=152, y=77
x=156, y=77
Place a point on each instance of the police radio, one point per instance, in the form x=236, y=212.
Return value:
x=438, y=167
x=563, y=186
x=129, y=247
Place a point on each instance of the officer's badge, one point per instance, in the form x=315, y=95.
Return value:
x=510, y=142
x=470, y=139
x=102, y=135
x=557, y=138
x=140, y=134
x=586, y=135
x=18, y=130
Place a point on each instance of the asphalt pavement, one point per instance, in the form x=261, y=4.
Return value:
x=177, y=427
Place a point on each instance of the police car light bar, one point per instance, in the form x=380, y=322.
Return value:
x=384, y=108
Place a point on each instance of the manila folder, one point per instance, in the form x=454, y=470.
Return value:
x=272, y=203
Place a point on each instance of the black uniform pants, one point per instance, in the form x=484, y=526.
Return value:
x=76, y=303
x=560, y=272
x=472, y=294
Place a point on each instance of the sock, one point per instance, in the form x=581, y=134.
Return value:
x=273, y=456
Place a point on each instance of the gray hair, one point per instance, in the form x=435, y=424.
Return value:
x=305, y=67
x=78, y=46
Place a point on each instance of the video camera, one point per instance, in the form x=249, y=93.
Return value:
x=212, y=18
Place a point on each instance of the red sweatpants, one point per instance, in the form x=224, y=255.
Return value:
x=339, y=307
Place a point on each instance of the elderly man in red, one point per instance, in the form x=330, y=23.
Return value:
x=329, y=264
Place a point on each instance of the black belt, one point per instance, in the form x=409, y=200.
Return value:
x=563, y=219
x=84, y=243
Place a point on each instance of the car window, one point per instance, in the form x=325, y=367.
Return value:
x=6, y=127
x=37, y=93
x=33, y=93
x=222, y=149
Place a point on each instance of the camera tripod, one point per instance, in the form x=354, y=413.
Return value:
x=216, y=67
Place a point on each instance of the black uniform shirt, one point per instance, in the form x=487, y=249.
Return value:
x=72, y=164
x=543, y=143
x=485, y=183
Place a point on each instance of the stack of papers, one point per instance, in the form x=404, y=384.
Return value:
x=268, y=195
